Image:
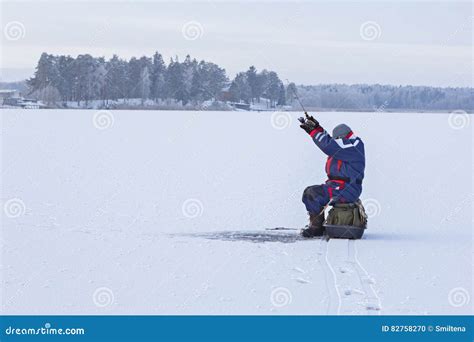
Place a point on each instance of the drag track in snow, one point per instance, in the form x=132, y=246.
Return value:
x=360, y=291
x=332, y=288
x=360, y=284
x=372, y=300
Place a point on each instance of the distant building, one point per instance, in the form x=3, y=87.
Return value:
x=23, y=103
x=225, y=94
x=240, y=106
x=8, y=93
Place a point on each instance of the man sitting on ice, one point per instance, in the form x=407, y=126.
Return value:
x=344, y=167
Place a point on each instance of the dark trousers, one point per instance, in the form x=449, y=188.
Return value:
x=315, y=198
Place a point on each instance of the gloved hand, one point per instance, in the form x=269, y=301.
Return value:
x=309, y=124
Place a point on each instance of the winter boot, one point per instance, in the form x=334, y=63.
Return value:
x=315, y=227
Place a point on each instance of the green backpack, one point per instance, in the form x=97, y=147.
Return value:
x=347, y=214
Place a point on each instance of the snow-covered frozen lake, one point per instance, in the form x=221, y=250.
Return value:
x=156, y=212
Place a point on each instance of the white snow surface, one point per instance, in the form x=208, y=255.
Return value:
x=164, y=212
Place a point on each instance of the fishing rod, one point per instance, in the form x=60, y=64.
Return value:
x=299, y=101
x=297, y=97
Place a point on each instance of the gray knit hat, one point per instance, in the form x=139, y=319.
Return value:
x=340, y=131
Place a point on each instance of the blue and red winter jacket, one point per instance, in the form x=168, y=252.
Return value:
x=345, y=164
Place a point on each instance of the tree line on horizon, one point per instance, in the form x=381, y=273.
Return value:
x=377, y=97
x=85, y=78
x=59, y=79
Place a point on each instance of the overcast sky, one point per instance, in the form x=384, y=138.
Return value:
x=419, y=43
